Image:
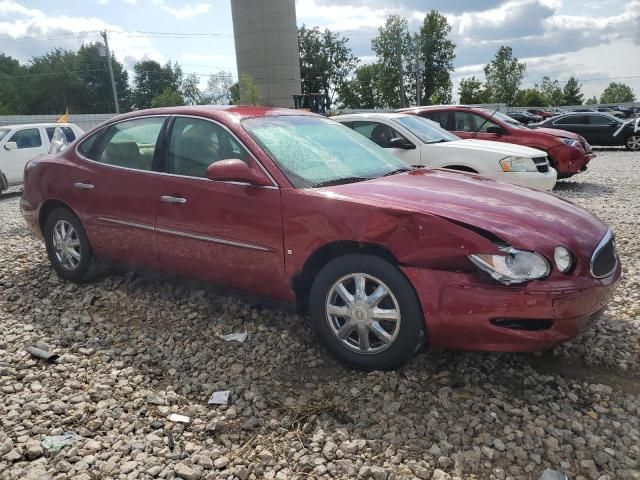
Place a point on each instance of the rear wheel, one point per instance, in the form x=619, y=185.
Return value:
x=366, y=313
x=68, y=247
x=633, y=142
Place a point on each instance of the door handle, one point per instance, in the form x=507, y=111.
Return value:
x=170, y=199
x=83, y=185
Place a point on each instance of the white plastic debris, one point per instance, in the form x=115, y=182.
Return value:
x=234, y=337
x=174, y=417
x=56, y=443
x=550, y=474
x=219, y=398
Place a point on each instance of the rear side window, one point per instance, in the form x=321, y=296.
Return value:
x=131, y=144
x=27, y=138
x=68, y=132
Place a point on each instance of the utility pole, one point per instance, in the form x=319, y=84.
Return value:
x=113, y=83
x=418, y=68
x=400, y=71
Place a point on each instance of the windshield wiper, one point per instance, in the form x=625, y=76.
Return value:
x=397, y=170
x=437, y=141
x=483, y=123
x=339, y=181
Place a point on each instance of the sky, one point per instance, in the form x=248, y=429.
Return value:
x=596, y=40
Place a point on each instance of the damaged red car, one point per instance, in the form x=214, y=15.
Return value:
x=296, y=207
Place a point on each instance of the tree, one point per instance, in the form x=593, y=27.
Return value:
x=234, y=94
x=363, y=90
x=392, y=47
x=572, y=92
x=218, y=91
x=152, y=80
x=551, y=92
x=190, y=90
x=592, y=101
x=11, y=78
x=504, y=75
x=325, y=61
x=168, y=98
x=437, y=52
x=530, y=97
x=249, y=91
x=617, y=93
x=472, y=92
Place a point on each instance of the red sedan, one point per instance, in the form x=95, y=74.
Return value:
x=299, y=208
x=568, y=152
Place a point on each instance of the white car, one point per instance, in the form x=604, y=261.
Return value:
x=21, y=143
x=421, y=142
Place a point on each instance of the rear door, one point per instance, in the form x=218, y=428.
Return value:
x=229, y=233
x=116, y=189
x=30, y=143
x=576, y=124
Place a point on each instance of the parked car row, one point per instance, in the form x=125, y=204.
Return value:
x=285, y=204
x=21, y=143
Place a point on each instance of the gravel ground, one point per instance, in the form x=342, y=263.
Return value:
x=136, y=348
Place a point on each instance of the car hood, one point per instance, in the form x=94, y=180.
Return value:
x=499, y=148
x=523, y=217
x=553, y=132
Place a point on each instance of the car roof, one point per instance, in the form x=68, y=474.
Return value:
x=217, y=112
x=433, y=107
x=347, y=116
x=34, y=125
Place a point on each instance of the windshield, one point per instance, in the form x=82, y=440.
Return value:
x=426, y=130
x=505, y=118
x=4, y=132
x=314, y=151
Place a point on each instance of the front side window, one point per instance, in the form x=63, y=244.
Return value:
x=131, y=144
x=313, y=151
x=195, y=144
x=68, y=133
x=27, y=138
x=377, y=132
x=470, y=122
x=426, y=130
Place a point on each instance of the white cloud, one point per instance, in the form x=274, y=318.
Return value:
x=189, y=10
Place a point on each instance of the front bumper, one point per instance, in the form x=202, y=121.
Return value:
x=459, y=311
x=570, y=160
x=541, y=181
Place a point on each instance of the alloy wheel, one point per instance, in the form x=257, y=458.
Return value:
x=633, y=142
x=363, y=313
x=66, y=245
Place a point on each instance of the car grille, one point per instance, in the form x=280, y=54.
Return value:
x=604, y=259
x=542, y=164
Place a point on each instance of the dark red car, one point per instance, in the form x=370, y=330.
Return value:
x=296, y=207
x=568, y=152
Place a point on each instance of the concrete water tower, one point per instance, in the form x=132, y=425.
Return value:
x=266, y=39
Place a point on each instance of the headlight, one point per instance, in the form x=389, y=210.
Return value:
x=570, y=142
x=564, y=259
x=514, y=266
x=518, y=164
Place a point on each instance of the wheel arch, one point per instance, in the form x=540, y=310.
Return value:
x=302, y=281
x=48, y=207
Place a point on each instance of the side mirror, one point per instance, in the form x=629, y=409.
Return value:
x=234, y=170
x=495, y=130
x=400, y=142
x=10, y=146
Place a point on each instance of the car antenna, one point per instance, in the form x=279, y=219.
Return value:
x=482, y=124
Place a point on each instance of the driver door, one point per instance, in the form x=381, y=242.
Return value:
x=228, y=233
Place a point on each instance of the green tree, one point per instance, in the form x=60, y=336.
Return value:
x=472, y=92
x=94, y=75
x=168, y=98
x=572, y=92
x=325, y=61
x=11, y=79
x=617, y=93
x=551, y=92
x=218, y=90
x=249, y=91
x=530, y=97
x=437, y=52
x=190, y=90
x=234, y=94
x=504, y=75
x=393, y=47
x=363, y=90
x=152, y=80
x=592, y=101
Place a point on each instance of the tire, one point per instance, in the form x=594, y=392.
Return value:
x=633, y=142
x=403, y=337
x=78, y=269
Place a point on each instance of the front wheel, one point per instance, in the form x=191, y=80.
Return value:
x=366, y=312
x=633, y=142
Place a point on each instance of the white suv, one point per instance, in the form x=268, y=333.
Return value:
x=21, y=143
x=421, y=142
